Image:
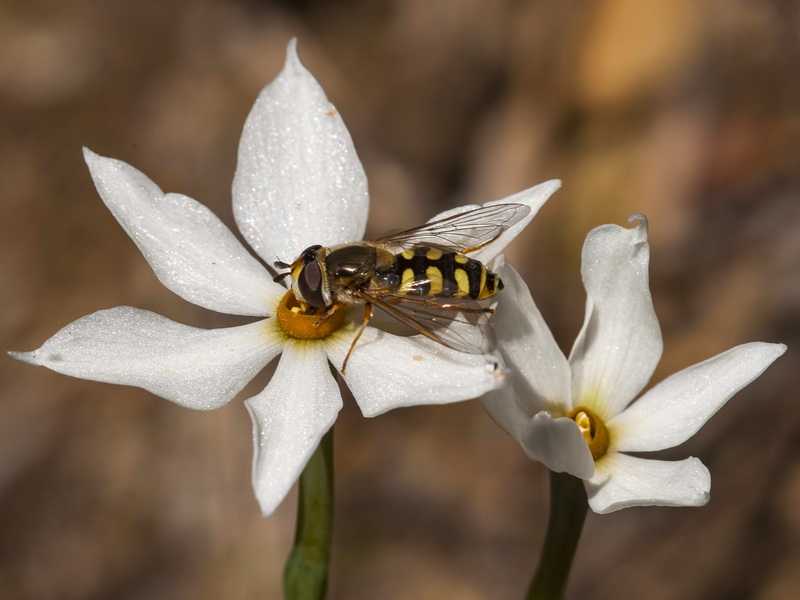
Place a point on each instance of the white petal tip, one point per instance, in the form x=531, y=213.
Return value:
x=765, y=353
x=27, y=357
x=777, y=349
x=88, y=154
x=267, y=508
x=534, y=196
x=95, y=162
x=553, y=184
x=537, y=195
x=643, y=222
x=292, y=63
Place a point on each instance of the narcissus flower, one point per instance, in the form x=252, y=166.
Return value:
x=298, y=182
x=577, y=415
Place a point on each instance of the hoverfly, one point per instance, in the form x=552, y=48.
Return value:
x=422, y=276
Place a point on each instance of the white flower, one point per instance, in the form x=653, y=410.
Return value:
x=575, y=415
x=298, y=182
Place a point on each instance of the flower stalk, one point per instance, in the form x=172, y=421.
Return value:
x=306, y=574
x=568, y=507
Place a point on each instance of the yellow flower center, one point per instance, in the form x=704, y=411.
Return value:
x=299, y=320
x=592, y=428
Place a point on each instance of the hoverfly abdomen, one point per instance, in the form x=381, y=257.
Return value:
x=432, y=272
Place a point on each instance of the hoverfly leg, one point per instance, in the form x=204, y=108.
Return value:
x=367, y=317
x=334, y=307
x=484, y=310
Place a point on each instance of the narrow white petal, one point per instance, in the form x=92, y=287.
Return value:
x=619, y=345
x=675, y=409
x=290, y=417
x=503, y=406
x=539, y=375
x=298, y=180
x=387, y=371
x=559, y=445
x=197, y=368
x=528, y=347
x=622, y=481
x=534, y=197
x=190, y=250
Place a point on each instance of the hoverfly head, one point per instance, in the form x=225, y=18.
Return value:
x=308, y=272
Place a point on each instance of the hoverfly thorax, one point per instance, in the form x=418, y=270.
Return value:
x=351, y=267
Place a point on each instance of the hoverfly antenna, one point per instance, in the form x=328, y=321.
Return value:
x=279, y=264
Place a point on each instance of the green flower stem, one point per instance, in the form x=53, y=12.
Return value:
x=568, y=506
x=306, y=574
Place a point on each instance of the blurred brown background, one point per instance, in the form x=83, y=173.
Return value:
x=687, y=111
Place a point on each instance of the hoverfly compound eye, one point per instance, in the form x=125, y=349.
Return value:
x=310, y=284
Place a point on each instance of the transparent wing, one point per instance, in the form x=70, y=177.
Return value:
x=458, y=323
x=464, y=232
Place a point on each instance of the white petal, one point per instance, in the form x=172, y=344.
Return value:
x=539, y=375
x=290, y=417
x=559, y=445
x=675, y=409
x=190, y=250
x=622, y=481
x=298, y=180
x=534, y=197
x=619, y=345
x=197, y=368
x=528, y=347
x=503, y=406
x=387, y=371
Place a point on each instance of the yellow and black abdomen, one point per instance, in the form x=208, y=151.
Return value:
x=432, y=272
